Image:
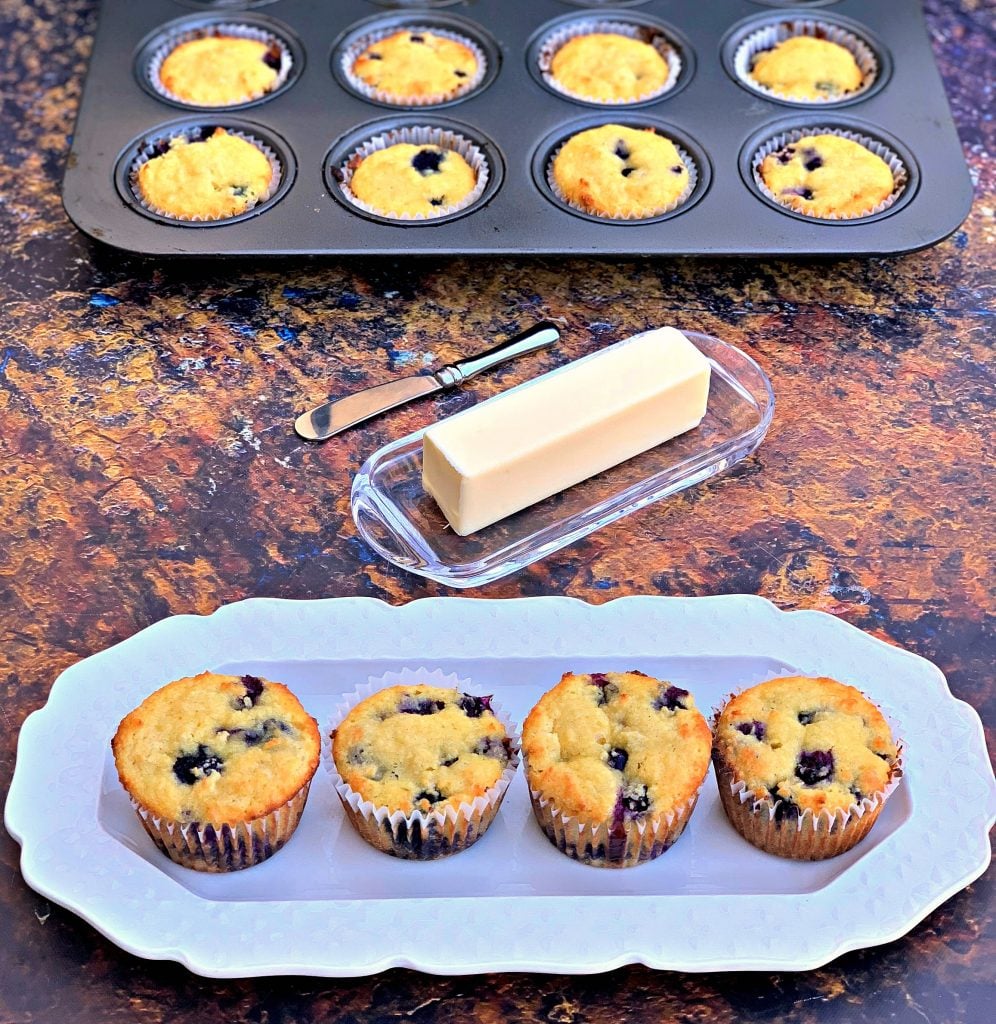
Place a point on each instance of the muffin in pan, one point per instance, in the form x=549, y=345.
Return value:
x=415, y=67
x=803, y=765
x=621, y=172
x=421, y=769
x=204, y=176
x=609, y=67
x=828, y=175
x=804, y=67
x=614, y=763
x=218, y=69
x=218, y=768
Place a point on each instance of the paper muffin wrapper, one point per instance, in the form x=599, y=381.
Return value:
x=241, y=31
x=420, y=835
x=151, y=150
x=606, y=845
x=768, y=36
x=900, y=174
x=639, y=214
x=228, y=846
x=419, y=135
x=351, y=53
x=805, y=835
x=553, y=41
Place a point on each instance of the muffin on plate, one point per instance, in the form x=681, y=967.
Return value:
x=619, y=172
x=221, y=70
x=422, y=769
x=219, y=176
x=218, y=768
x=609, y=67
x=804, y=765
x=828, y=176
x=806, y=68
x=417, y=67
x=614, y=762
x=411, y=180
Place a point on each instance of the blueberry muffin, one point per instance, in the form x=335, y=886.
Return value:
x=219, y=176
x=806, y=68
x=803, y=765
x=614, y=762
x=218, y=768
x=409, y=180
x=619, y=172
x=217, y=71
x=423, y=769
x=417, y=67
x=609, y=68
x=827, y=176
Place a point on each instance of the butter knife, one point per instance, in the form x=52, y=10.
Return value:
x=332, y=417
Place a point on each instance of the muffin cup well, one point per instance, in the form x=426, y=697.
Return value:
x=283, y=53
x=647, y=32
x=768, y=35
x=420, y=835
x=636, y=215
x=225, y=846
x=607, y=845
x=803, y=836
x=349, y=55
x=419, y=135
x=900, y=172
x=152, y=146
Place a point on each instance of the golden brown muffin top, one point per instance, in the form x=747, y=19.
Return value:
x=813, y=743
x=617, y=171
x=215, y=748
x=609, y=67
x=615, y=745
x=221, y=176
x=417, y=64
x=805, y=68
x=409, y=179
x=421, y=748
x=826, y=176
x=216, y=71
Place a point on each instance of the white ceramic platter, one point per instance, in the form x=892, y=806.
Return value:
x=330, y=905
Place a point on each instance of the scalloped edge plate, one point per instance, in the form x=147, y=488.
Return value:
x=68, y=856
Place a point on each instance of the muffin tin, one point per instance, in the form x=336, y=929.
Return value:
x=315, y=119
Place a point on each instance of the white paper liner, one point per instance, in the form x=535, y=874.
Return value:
x=554, y=40
x=241, y=31
x=419, y=135
x=686, y=159
x=351, y=53
x=148, y=152
x=816, y=836
x=641, y=840
x=900, y=175
x=226, y=846
x=768, y=36
x=441, y=832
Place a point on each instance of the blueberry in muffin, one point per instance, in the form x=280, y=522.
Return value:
x=803, y=765
x=423, y=768
x=614, y=762
x=218, y=768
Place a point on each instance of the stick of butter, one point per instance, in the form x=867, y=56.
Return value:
x=517, y=448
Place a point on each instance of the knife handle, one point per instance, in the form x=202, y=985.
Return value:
x=540, y=335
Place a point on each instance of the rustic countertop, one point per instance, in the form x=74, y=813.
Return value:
x=147, y=468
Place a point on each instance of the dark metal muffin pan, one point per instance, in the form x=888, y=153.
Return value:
x=715, y=119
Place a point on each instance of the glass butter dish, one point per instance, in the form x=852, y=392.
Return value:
x=403, y=524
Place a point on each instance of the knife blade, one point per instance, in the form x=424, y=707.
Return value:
x=327, y=420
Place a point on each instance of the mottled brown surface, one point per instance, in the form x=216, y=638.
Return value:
x=147, y=468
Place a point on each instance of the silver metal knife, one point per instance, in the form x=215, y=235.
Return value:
x=332, y=417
